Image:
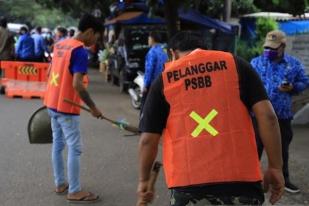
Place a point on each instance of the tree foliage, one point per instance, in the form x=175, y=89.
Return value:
x=170, y=11
x=263, y=26
x=215, y=8
x=212, y=8
x=34, y=14
x=65, y=12
x=295, y=7
x=248, y=50
x=76, y=8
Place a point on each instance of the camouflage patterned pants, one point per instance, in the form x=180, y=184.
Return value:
x=200, y=199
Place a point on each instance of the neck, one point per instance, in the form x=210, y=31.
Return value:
x=184, y=53
x=80, y=37
x=279, y=58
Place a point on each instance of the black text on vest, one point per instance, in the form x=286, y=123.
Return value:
x=197, y=76
x=198, y=82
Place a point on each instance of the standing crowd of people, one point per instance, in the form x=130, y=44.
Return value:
x=27, y=45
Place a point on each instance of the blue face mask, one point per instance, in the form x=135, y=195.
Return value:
x=270, y=54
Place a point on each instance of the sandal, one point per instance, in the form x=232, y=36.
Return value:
x=88, y=197
x=62, y=189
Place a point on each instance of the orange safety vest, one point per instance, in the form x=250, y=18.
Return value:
x=60, y=82
x=209, y=137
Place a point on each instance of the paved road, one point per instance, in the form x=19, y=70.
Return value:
x=109, y=161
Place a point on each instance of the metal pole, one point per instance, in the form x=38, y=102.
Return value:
x=227, y=10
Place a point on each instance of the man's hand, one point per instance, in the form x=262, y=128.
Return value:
x=285, y=88
x=143, y=195
x=96, y=113
x=145, y=90
x=148, y=149
x=273, y=179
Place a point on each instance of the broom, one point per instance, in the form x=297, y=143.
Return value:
x=120, y=124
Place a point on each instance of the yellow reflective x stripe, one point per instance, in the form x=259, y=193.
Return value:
x=54, y=80
x=204, y=123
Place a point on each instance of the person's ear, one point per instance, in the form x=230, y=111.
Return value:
x=174, y=54
x=281, y=49
x=283, y=46
x=89, y=32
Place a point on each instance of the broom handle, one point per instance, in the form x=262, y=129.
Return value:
x=78, y=105
x=87, y=109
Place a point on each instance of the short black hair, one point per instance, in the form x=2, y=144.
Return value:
x=63, y=30
x=25, y=29
x=38, y=29
x=186, y=41
x=3, y=22
x=89, y=21
x=156, y=36
x=71, y=32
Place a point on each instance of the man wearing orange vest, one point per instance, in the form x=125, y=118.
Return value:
x=200, y=106
x=66, y=81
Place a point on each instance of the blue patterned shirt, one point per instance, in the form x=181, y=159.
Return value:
x=273, y=74
x=155, y=60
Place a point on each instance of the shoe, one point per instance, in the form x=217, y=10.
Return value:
x=82, y=197
x=289, y=187
x=62, y=189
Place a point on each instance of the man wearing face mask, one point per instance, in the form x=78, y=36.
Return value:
x=283, y=76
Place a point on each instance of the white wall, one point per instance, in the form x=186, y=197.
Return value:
x=298, y=46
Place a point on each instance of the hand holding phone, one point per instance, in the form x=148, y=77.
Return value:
x=285, y=86
x=285, y=83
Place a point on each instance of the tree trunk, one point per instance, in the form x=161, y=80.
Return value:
x=171, y=16
x=197, y=4
x=227, y=10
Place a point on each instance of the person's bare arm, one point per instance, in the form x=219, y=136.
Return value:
x=84, y=95
x=269, y=132
x=148, y=149
x=270, y=135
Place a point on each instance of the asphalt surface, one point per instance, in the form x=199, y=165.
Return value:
x=109, y=159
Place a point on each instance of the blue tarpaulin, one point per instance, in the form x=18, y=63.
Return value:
x=294, y=27
x=189, y=15
x=288, y=26
x=143, y=19
x=195, y=17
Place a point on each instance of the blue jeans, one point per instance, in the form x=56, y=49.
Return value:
x=66, y=131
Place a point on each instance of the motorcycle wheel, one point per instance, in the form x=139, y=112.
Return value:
x=136, y=104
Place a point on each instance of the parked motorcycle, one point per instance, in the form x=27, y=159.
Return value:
x=48, y=56
x=136, y=90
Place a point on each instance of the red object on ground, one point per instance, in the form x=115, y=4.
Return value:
x=24, y=79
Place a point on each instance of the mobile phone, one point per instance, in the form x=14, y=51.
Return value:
x=285, y=83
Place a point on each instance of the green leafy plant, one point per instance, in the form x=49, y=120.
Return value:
x=35, y=14
x=250, y=49
x=265, y=25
